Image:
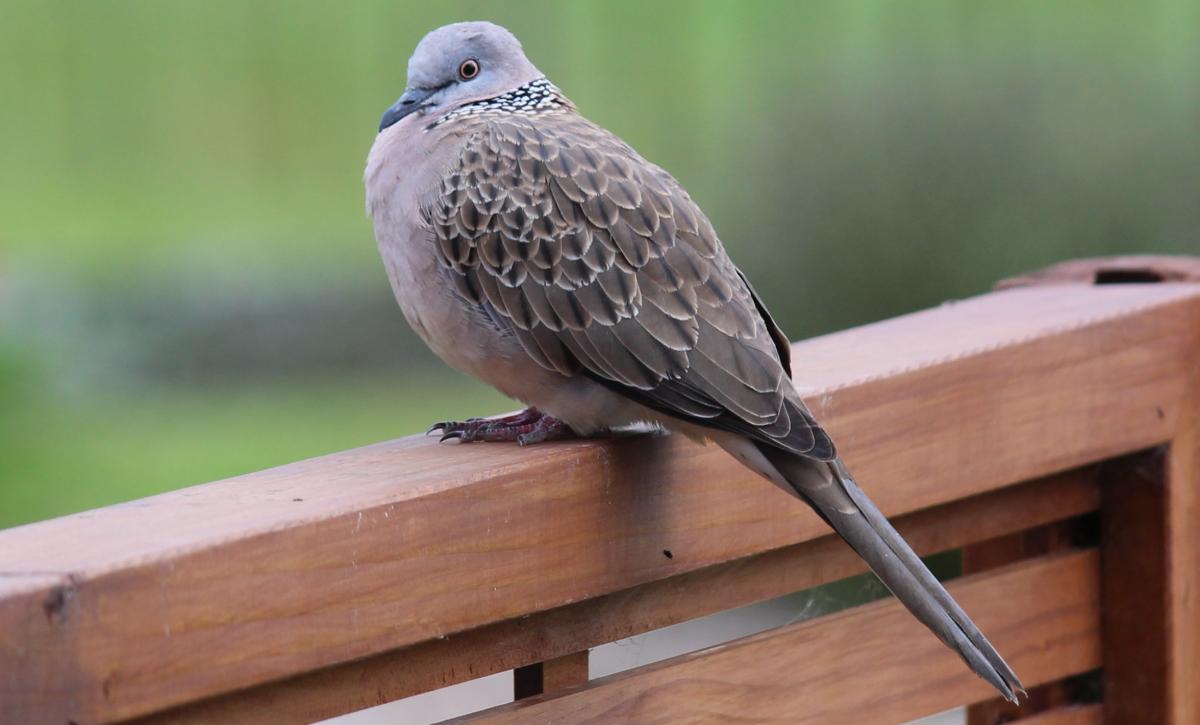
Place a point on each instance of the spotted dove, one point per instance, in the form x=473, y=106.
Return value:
x=535, y=250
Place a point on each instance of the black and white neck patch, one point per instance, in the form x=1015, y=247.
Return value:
x=537, y=96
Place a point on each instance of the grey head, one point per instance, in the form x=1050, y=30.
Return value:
x=460, y=64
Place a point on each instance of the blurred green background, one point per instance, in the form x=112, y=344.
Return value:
x=189, y=288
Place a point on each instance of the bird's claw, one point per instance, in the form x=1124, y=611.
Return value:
x=526, y=427
x=471, y=430
x=452, y=426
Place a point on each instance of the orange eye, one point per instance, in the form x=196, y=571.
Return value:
x=469, y=69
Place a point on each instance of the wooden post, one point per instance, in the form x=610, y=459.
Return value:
x=1151, y=562
x=1133, y=591
x=1150, y=547
x=1182, y=534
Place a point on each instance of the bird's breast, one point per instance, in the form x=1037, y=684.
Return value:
x=402, y=177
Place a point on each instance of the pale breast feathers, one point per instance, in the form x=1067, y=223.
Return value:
x=600, y=264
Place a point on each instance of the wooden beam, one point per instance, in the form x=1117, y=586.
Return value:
x=863, y=665
x=219, y=587
x=1003, y=550
x=557, y=633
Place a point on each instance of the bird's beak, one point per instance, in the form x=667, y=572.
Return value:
x=409, y=102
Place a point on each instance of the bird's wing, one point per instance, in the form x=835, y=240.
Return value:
x=600, y=264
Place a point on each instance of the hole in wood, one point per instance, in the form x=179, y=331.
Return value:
x=528, y=681
x=1127, y=276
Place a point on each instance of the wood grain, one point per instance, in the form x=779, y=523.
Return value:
x=219, y=587
x=860, y=666
x=558, y=632
x=565, y=672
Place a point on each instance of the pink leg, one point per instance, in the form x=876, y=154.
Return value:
x=528, y=426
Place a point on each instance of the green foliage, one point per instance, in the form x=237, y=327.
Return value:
x=64, y=453
x=944, y=142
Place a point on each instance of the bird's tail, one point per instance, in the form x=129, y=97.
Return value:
x=829, y=488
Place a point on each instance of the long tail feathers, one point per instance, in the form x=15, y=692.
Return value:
x=829, y=488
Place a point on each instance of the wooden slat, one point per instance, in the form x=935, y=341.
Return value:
x=998, y=552
x=864, y=665
x=515, y=644
x=227, y=585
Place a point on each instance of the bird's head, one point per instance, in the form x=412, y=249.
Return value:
x=460, y=64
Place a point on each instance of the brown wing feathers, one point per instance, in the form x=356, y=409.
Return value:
x=601, y=265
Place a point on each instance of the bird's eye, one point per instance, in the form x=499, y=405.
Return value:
x=469, y=69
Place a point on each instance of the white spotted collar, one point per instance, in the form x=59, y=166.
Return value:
x=536, y=96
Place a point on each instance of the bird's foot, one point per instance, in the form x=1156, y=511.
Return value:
x=528, y=426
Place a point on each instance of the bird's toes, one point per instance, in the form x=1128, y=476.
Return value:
x=547, y=428
x=464, y=432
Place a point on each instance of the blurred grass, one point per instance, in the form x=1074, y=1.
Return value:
x=62, y=453
x=179, y=177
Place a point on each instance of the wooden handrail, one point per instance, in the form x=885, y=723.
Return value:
x=315, y=568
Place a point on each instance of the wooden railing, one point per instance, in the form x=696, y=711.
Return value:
x=1052, y=431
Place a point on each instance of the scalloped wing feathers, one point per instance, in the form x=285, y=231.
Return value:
x=600, y=264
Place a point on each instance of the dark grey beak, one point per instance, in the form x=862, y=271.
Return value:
x=409, y=102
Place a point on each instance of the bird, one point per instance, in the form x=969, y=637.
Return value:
x=538, y=252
